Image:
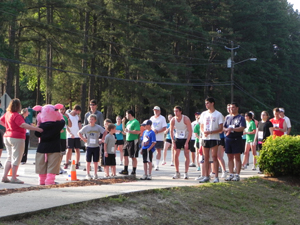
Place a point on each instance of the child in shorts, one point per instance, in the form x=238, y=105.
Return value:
x=90, y=134
x=110, y=151
x=148, y=147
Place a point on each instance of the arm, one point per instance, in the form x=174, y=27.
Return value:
x=289, y=131
x=29, y=127
x=134, y=131
x=187, y=122
x=256, y=135
x=172, y=123
x=284, y=127
x=69, y=121
x=161, y=130
x=82, y=137
x=105, y=150
x=151, y=146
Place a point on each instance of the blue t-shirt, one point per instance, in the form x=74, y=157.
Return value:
x=148, y=139
x=168, y=136
x=235, y=121
x=120, y=135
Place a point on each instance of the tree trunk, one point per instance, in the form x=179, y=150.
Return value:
x=92, y=79
x=49, y=58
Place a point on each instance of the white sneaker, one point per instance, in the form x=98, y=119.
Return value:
x=204, y=180
x=199, y=178
x=186, y=176
x=216, y=180
x=164, y=163
x=88, y=177
x=244, y=167
x=176, y=175
x=95, y=177
x=149, y=177
x=253, y=168
x=224, y=175
x=212, y=175
x=172, y=164
x=236, y=178
x=144, y=177
x=156, y=168
x=192, y=165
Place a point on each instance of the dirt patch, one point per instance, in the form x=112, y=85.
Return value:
x=289, y=180
x=69, y=184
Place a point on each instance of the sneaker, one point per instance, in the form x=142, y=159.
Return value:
x=204, y=180
x=149, y=177
x=176, y=175
x=144, y=177
x=121, y=164
x=164, y=163
x=133, y=173
x=236, y=178
x=124, y=172
x=244, y=167
x=69, y=163
x=248, y=163
x=216, y=180
x=157, y=168
x=253, y=168
x=95, y=177
x=88, y=177
x=199, y=178
x=186, y=176
x=224, y=175
x=172, y=164
x=192, y=165
x=229, y=178
x=212, y=174
x=22, y=163
x=1, y=166
x=99, y=169
x=77, y=166
x=198, y=168
x=66, y=166
x=259, y=172
x=106, y=176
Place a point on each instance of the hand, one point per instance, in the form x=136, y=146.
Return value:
x=72, y=136
x=39, y=130
x=84, y=140
x=206, y=133
x=124, y=119
x=186, y=146
x=106, y=154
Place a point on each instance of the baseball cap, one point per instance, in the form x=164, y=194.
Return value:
x=197, y=113
x=147, y=122
x=281, y=110
x=156, y=108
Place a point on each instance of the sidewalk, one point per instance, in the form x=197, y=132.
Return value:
x=32, y=201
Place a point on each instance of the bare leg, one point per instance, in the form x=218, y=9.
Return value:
x=221, y=160
x=134, y=162
x=176, y=159
x=88, y=167
x=187, y=159
x=214, y=152
x=166, y=147
x=246, y=154
x=77, y=155
x=95, y=168
x=230, y=163
x=126, y=161
x=237, y=158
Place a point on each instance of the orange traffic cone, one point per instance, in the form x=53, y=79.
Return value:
x=73, y=171
x=10, y=173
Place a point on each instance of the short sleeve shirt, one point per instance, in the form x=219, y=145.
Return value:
x=157, y=124
x=63, y=135
x=119, y=129
x=234, y=122
x=148, y=138
x=250, y=127
x=110, y=142
x=197, y=131
x=92, y=134
x=211, y=121
x=13, y=121
x=132, y=125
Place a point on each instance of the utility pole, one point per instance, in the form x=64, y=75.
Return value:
x=232, y=67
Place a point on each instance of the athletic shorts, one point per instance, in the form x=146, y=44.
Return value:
x=119, y=142
x=169, y=141
x=74, y=143
x=159, y=144
x=110, y=160
x=180, y=143
x=222, y=142
x=197, y=145
x=192, y=146
x=209, y=143
x=234, y=145
x=92, y=153
x=147, y=156
x=131, y=148
x=63, y=145
x=259, y=147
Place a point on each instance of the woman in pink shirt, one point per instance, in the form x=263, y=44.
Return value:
x=14, y=139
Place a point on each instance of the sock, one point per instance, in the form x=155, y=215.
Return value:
x=157, y=162
x=50, y=179
x=126, y=168
x=42, y=178
x=133, y=169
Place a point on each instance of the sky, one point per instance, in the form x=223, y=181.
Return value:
x=296, y=4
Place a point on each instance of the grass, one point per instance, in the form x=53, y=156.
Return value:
x=254, y=201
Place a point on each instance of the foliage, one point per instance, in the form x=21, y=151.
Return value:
x=280, y=156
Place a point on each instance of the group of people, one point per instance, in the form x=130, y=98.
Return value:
x=204, y=140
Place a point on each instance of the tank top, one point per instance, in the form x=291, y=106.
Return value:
x=181, y=129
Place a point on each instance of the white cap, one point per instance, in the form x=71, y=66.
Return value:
x=156, y=108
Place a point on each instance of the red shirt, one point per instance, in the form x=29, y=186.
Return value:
x=13, y=121
x=277, y=123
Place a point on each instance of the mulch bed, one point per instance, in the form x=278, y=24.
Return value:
x=69, y=184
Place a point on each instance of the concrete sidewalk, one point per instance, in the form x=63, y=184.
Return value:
x=32, y=201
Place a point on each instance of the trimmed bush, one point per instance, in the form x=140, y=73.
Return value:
x=280, y=156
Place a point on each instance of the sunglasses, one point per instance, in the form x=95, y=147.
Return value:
x=92, y=104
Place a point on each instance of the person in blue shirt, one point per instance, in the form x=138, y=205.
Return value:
x=148, y=147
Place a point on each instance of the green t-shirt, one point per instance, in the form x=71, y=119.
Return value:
x=63, y=135
x=250, y=127
x=132, y=125
x=197, y=131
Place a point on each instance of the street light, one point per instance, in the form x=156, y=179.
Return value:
x=231, y=63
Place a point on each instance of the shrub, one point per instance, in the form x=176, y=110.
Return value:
x=280, y=156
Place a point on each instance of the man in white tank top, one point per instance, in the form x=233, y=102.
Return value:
x=183, y=133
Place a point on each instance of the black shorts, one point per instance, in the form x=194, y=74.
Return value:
x=197, y=145
x=1, y=140
x=222, y=142
x=92, y=153
x=63, y=145
x=234, y=145
x=110, y=160
x=259, y=147
x=147, y=156
x=209, y=143
x=159, y=144
x=119, y=142
x=180, y=143
x=192, y=146
x=169, y=141
x=74, y=143
x=131, y=148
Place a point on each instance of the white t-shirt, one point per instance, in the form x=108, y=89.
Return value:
x=288, y=123
x=194, y=123
x=75, y=127
x=157, y=124
x=211, y=122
